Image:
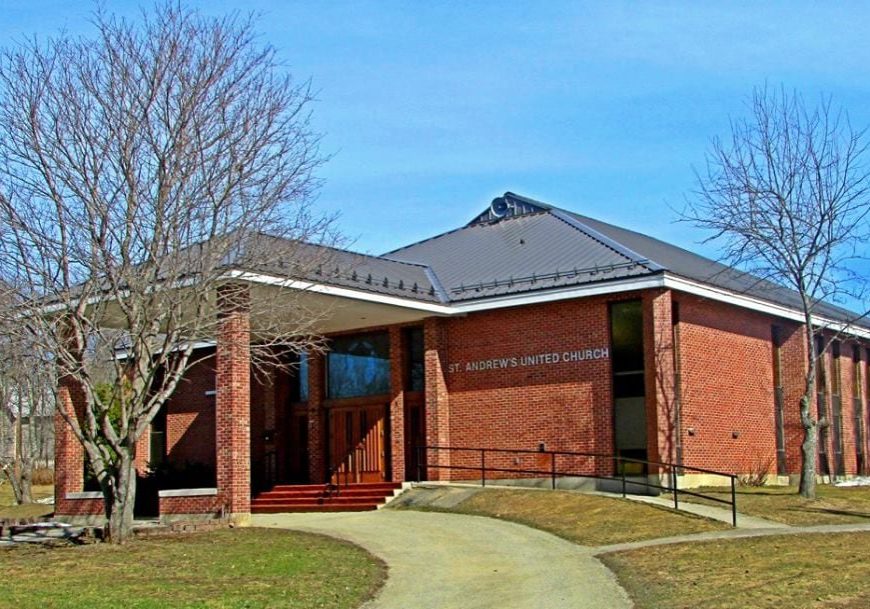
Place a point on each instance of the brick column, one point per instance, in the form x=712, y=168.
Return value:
x=661, y=399
x=233, y=404
x=316, y=418
x=69, y=454
x=437, y=399
x=397, y=405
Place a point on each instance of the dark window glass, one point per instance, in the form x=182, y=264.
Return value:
x=820, y=365
x=416, y=369
x=299, y=380
x=835, y=373
x=358, y=366
x=627, y=335
x=158, y=438
x=628, y=385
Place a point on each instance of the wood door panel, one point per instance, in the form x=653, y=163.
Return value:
x=357, y=444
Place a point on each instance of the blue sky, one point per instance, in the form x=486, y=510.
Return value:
x=431, y=109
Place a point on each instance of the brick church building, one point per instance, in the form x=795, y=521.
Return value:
x=531, y=327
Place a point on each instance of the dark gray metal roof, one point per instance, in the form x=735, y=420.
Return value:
x=519, y=245
x=689, y=265
x=337, y=267
x=534, y=250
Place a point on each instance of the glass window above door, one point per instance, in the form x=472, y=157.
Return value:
x=358, y=366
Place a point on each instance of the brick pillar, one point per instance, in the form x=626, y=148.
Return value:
x=316, y=418
x=661, y=399
x=437, y=399
x=233, y=404
x=69, y=454
x=397, y=405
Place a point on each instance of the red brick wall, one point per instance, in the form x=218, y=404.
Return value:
x=727, y=386
x=661, y=398
x=725, y=360
x=200, y=504
x=566, y=405
x=190, y=431
x=793, y=361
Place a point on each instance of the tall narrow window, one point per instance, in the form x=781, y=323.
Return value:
x=158, y=439
x=778, y=399
x=414, y=362
x=822, y=404
x=299, y=379
x=858, y=408
x=678, y=382
x=629, y=408
x=837, y=409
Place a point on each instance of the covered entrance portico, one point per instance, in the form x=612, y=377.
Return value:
x=344, y=416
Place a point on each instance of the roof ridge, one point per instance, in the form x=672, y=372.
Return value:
x=582, y=218
x=464, y=227
x=566, y=217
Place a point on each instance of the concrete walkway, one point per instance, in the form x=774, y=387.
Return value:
x=451, y=561
x=708, y=511
x=733, y=534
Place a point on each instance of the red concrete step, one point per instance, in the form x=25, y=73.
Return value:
x=280, y=509
x=314, y=494
x=320, y=498
x=317, y=500
x=323, y=487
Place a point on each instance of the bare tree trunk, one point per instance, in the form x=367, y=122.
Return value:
x=22, y=469
x=121, y=499
x=807, y=486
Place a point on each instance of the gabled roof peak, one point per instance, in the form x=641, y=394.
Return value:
x=509, y=205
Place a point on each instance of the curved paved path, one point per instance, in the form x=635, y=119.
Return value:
x=451, y=561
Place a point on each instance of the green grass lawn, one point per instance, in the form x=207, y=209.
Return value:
x=232, y=568
x=8, y=509
x=584, y=519
x=818, y=571
x=833, y=504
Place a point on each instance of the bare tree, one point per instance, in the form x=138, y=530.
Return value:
x=136, y=167
x=787, y=198
x=26, y=409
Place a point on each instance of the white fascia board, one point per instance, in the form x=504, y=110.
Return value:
x=319, y=288
x=610, y=287
x=757, y=304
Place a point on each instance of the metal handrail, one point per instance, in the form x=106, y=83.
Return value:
x=672, y=470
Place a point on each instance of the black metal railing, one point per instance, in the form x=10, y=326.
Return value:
x=668, y=473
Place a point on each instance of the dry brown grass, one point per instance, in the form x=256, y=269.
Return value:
x=812, y=571
x=8, y=509
x=833, y=504
x=584, y=519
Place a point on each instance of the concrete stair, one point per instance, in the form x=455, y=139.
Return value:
x=323, y=498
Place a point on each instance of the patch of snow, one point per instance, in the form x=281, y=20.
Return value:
x=856, y=481
x=46, y=501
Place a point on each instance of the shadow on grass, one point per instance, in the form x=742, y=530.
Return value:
x=832, y=511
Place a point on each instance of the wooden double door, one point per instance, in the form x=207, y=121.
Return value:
x=357, y=444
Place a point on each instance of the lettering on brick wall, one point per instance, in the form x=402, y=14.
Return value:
x=538, y=359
